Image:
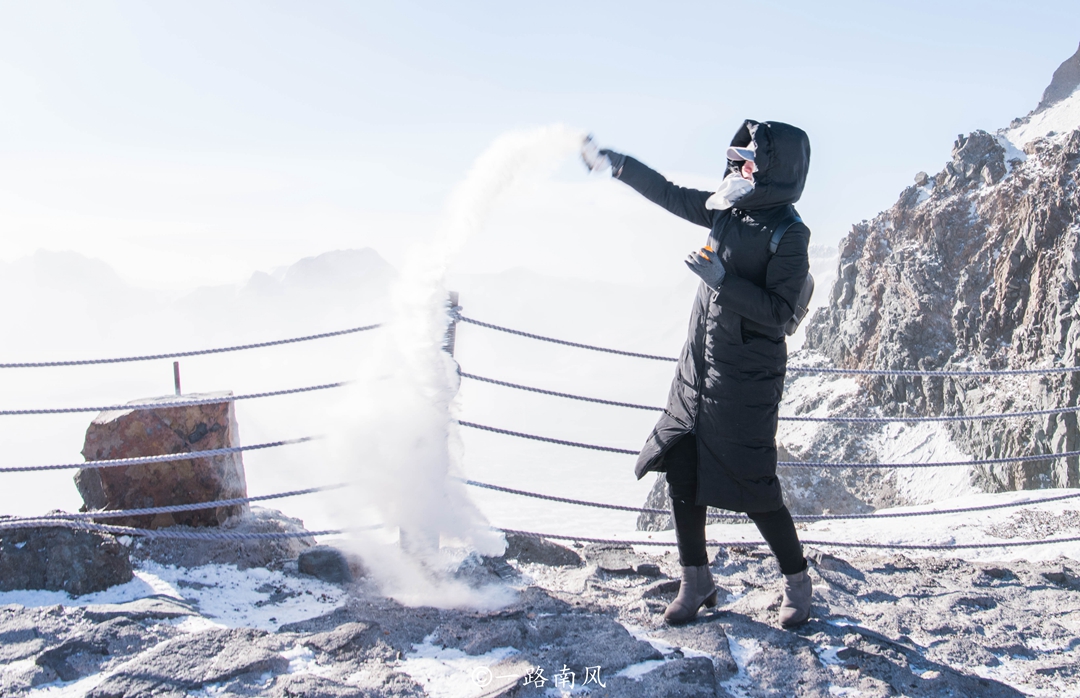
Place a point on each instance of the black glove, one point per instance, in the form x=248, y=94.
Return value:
x=706, y=264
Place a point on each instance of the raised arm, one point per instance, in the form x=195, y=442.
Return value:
x=773, y=305
x=683, y=202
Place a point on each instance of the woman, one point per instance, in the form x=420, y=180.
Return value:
x=717, y=439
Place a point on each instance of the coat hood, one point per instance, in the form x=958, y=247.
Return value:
x=782, y=159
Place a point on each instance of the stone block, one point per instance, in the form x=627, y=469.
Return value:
x=61, y=559
x=528, y=549
x=158, y=431
x=325, y=563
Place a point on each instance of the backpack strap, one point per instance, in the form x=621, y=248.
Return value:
x=791, y=219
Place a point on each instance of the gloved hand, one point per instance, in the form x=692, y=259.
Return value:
x=598, y=159
x=706, y=264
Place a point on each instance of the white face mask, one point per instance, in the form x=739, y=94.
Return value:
x=733, y=188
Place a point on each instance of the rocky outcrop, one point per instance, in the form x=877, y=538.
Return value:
x=158, y=431
x=1065, y=81
x=244, y=554
x=61, y=559
x=531, y=549
x=328, y=564
x=977, y=272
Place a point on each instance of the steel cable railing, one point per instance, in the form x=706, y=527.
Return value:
x=172, y=403
x=796, y=517
x=84, y=520
x=182, y=354
x=147, y=460
x=173, y=508
x=168, y=533
x=950, y=373
x=790, y=464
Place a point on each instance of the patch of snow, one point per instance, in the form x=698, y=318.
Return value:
x=144, y=584
x=637, y=671
x=193, y=624
x=926, y=442
x=252, y=598
x=71, y=689
x=213, y=690
x=1011, y=672
x=223, y=594
x=1063, y=117
x=671, y=652
x=302, y=661
x=827, y=656
x=1011, y=151
x=445, y=672
x=662, y=646
x=743, y=650
x=954, y=529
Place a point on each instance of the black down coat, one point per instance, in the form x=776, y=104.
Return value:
x=730, y=378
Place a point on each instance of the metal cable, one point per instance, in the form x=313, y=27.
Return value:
x=938, y=464
x=364, y=328
x=790, y=464
x=174, y=508
x=545, y=439
x=173, y=403
x=563, y=341
x=796, y=517
x=238, y=536
x=985, y=373
x=940, y=418
x=181, y=354
x=800, y=369
x=162, y=533
x=742, y=544
x=168, y=458
x=556, y=394
x=845, y=420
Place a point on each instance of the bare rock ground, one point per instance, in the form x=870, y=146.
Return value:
x=882, y=626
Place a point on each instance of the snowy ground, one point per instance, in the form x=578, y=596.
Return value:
x=943, y=618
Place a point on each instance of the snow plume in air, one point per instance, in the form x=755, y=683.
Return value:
x=397, y=438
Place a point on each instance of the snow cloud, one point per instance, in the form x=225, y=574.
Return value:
x=395, y=434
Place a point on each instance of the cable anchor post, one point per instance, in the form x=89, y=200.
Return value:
x=451, y=329
x=176, y=376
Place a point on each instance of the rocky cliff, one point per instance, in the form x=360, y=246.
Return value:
x=976, y=267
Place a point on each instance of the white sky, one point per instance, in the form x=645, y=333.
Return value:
x=192, y=143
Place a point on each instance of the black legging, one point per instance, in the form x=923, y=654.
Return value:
x=776, y=527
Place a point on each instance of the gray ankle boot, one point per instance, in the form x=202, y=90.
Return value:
x=798, y=590
x=696, y=588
